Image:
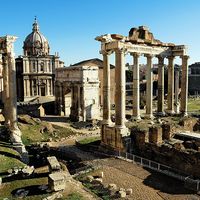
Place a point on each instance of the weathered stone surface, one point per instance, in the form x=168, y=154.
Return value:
x=56, y=181
x=112, y=186
x=53, y=163
x=188, y=123
x=122, y=194
x=129, y=191
x=90, y=178
x=155, y=135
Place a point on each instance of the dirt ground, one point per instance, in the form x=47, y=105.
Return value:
x=146, y=184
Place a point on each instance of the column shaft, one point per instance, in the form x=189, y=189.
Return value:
x=136, y=88
x=106, y=88
x=170, y=96
x=161, y=85
x=176, y=90
x=6, y=90
x=120, y=89
x=184, y=85
x=149, y=87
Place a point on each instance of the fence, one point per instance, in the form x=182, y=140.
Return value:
x=189, y=182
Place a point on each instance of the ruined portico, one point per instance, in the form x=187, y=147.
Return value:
x=9, y=93
x=140, y=42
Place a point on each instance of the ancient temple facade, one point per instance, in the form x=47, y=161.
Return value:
x=139, y=42
x=36, y=67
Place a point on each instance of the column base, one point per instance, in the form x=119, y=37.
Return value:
x=149, y=116
x=170, y=112
x=136, y=118
x=184, y=114
x=177, y=109
x=115, y=137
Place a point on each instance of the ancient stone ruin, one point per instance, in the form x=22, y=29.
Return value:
x=9, y=93
x=139, y=42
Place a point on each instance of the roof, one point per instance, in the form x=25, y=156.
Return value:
x=95, y=61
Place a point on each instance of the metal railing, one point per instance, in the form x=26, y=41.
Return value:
x=189, y=182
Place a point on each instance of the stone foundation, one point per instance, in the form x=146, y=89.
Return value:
x=115, y=137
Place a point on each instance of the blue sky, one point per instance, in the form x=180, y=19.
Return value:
x=71, y=25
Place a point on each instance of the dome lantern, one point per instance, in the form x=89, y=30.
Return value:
x=35, y=43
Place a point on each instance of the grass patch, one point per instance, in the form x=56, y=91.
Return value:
x=31, y=133
x=6, y=190
x=74, y=196
x=9, y=158
x=89, y=140
x=194, y=105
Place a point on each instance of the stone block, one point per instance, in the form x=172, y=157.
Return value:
x=155, y=135
x=166, y=131
x=122, y=194
x=129, y=191
x=53, y=163
x=56, y=181
x=112, y=186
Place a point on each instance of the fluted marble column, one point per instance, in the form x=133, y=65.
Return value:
x=184, y=85
x=149, y=87
x=136, y=87
x=120, y=89
x=106, y=87
x=160, y=85
x=170, y=96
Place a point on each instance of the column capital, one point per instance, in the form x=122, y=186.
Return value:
x=135, y=54
x=121, y=50
x=160, y=58
x=148, y=55
x=185, y=57
x=104, y=52
x=171, y=57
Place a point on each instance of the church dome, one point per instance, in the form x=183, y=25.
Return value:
x=35, y=43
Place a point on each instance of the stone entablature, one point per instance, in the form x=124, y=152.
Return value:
x=140, y=42
x=77, y=92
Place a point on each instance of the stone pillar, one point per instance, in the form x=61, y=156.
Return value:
x=28, y=87
x=161, y=86
x=106, y=87
x=120, y=89
x=136, y=88
x=6, y=90
x=184, y=85
x=176, y=101
x=149, y=87
x=170, y=96
x=25, y=88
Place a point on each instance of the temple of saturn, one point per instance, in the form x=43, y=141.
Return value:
x=7, y=58
x=140, y=42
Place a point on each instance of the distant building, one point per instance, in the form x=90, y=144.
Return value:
x=99, y=63
x=36, y=68
x=194, y=79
